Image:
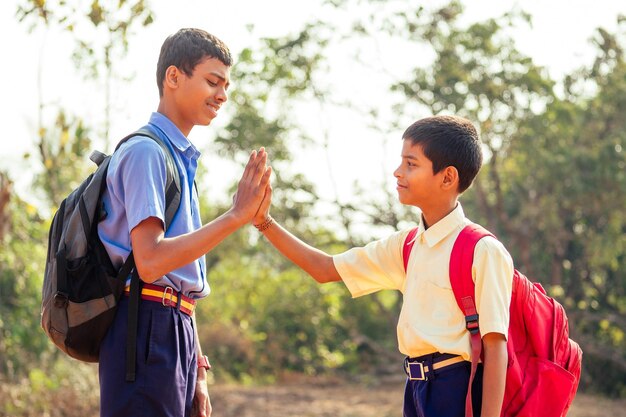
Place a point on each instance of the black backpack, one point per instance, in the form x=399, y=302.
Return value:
x=81, y=288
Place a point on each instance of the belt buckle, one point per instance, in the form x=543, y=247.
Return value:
x=165, y=296
x=415, y=371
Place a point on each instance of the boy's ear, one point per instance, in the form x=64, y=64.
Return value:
x=172, y=76
x=450, y=178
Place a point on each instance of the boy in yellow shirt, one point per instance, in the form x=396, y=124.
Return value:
x=440, y=158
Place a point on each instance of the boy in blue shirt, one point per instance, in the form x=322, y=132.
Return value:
x=440, y=158
x=193, y=75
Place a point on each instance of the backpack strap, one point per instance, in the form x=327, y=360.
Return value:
x=172, y=202
x=461, y=261
x=409, y=241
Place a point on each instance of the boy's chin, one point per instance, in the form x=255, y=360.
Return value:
x=406, y=201
x=205, y=121
x=402, y=199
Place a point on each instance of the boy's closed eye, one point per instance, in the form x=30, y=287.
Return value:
x=214, y=79
x=410, y=162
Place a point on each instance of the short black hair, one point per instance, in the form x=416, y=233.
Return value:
x=186, y=48
x=449, y=141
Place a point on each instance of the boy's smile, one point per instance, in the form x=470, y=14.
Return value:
x=208, y=84
x=216, y=76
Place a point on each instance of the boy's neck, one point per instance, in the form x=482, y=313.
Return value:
x=432, y=215
x=168, y=110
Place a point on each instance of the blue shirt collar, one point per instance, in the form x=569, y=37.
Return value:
x=173, y=133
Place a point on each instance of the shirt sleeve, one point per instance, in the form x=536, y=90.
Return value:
x=493, y=275
x=141, y=178
x=376, y=266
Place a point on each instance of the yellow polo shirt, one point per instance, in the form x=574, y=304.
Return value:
x=430, y=319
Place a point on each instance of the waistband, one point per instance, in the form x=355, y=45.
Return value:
x=167, y=297
x=418, y=368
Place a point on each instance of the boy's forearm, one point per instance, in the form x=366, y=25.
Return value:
x=156, y=255
x=494, y=374
x=313, y=261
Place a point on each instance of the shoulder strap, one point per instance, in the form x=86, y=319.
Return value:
x=461, y=261
x=409, y=241
x=172, y=202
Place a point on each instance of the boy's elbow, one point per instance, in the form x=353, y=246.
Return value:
x=147, y=270
x=326, y=271
x=325, y=279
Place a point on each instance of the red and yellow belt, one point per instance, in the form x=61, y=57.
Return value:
x=167, y=296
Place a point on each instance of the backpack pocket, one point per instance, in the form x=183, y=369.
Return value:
x=93, y=295
x=545, y=392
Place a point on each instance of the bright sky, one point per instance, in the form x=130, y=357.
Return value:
x=558, y=40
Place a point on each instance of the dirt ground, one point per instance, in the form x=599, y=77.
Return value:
x=294, y=397
x=317, y=399
x=333, y=399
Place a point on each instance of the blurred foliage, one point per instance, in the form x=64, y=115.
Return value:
x=101, y=31
x=62, y=389
x=63, y=150
x=21, y=268
x=84, y=20
x=552, y=188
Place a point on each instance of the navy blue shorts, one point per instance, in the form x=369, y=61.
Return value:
x=166, y=364
x=443, y=393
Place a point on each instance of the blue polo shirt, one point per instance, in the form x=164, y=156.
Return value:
x=135, y=191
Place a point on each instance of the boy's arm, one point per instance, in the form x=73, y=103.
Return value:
x=494, y=373
x=313, y=261
x=493, y=269
x=156, y=255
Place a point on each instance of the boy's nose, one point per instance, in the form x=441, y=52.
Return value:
x=221, y=95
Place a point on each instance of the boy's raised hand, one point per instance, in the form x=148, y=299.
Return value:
x=264, y=209
x=252, y=186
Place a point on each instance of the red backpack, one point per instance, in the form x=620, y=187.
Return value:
x=544, y=364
